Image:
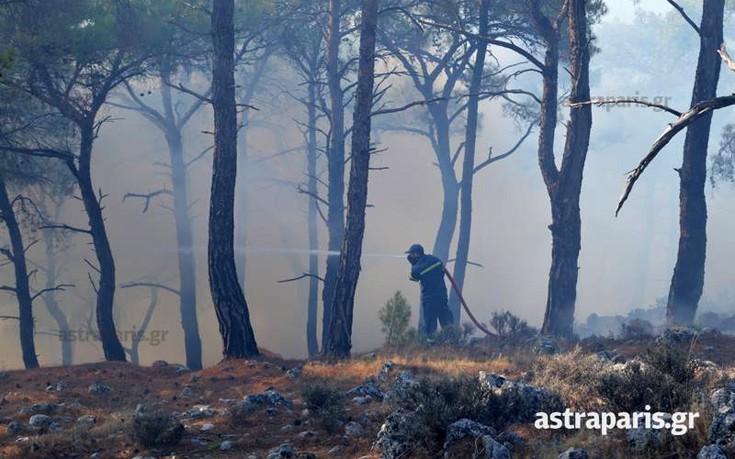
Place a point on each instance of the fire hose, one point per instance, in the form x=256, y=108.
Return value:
x=466, y=308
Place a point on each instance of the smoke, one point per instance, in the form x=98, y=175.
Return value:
x=626, y=262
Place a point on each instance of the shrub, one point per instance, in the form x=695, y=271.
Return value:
x=395, y=317
x=510, y=327
x=156, y=428
x=325, y=402
x=664, y=379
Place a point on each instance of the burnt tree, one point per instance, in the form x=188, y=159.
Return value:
x=339, y=341
x=687, y=281
x=227, y=295
x=16, y=255
x=564, y=184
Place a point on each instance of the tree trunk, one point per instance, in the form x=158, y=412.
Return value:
x=111, y=345
x=186, y=256
x=468, y=165
x=49, y=298
x=312, y=344
x=340, y=330
x=450, y=202
x=687, y=282
x=564, y=186
x=335, y=164
x=228, y=298
x=22, y=289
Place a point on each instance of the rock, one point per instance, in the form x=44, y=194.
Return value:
x=4, y=375
x=284, y=451
x=194, y=378
x=307, y=435
x=494, y=450
x=287, y=428
x=385, y=370
x=207, y=427
x=366, y=400
x=404, y=382
x=336, y=451
x=199, y=441
x=723, y=399
x=640, y=439
x=545, y=345
x=712, y=452
x=200, y=412
x=14, y=428
x=99, y=389
x=40, y=408
x=464, y=428
x=187, y=392
x=574, y=453
x=144, y=457
x=305, y=413
x=55, y=427
x=369, y=388
x=271, y=412
x=181, y=369
x=86, y=419
x=39, y=421
x=293, y=373
x=722, y=427
x=532, y=399
x=510, y=439
x=393, y=436
x=270, y=397
x=226, y=445
x=354, y=429
x=159, y=364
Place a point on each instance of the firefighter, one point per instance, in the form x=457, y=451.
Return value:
x=429, y=271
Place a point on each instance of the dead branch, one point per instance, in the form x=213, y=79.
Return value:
x=147, y=196
x=65, y=227
x=58, y=288
x=9, y=318
x=151, y=284
x=633, y=100
x=686, y=17
x=699, y=110
x=386, y=111
x=300, y=277
x=726, y=57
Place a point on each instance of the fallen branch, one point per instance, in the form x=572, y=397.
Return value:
x=632, y=100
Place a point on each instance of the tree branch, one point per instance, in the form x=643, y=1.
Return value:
x=406, y=107
x=685, y=16
x=300, y=277
x=147, y=196
x=633, y=100
x=151, y=284
x=58, y=288
x=699, y=110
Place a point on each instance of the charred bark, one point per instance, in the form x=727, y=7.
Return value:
x=228, y=298
x=340, y=330
x=335, y=163
x=687, y=281
x=468, y=164
x=21, y=289
x=564, y=186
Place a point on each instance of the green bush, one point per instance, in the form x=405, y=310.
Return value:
x=510, y=327
x=395, y=317
x=325, y=402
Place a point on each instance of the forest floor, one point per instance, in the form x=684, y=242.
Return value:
x=64, y=394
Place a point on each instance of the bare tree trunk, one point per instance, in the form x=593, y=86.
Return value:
x=468, y=164
x=687, y=282
x=340, y=330
x=140, y=333
x=185, y=246
x=49, y=298
x=21, y=289
x=312, y=344
x=228, y=298
x=335, y=163
x=565, y=185
x=111, y=345
x=450, y=188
